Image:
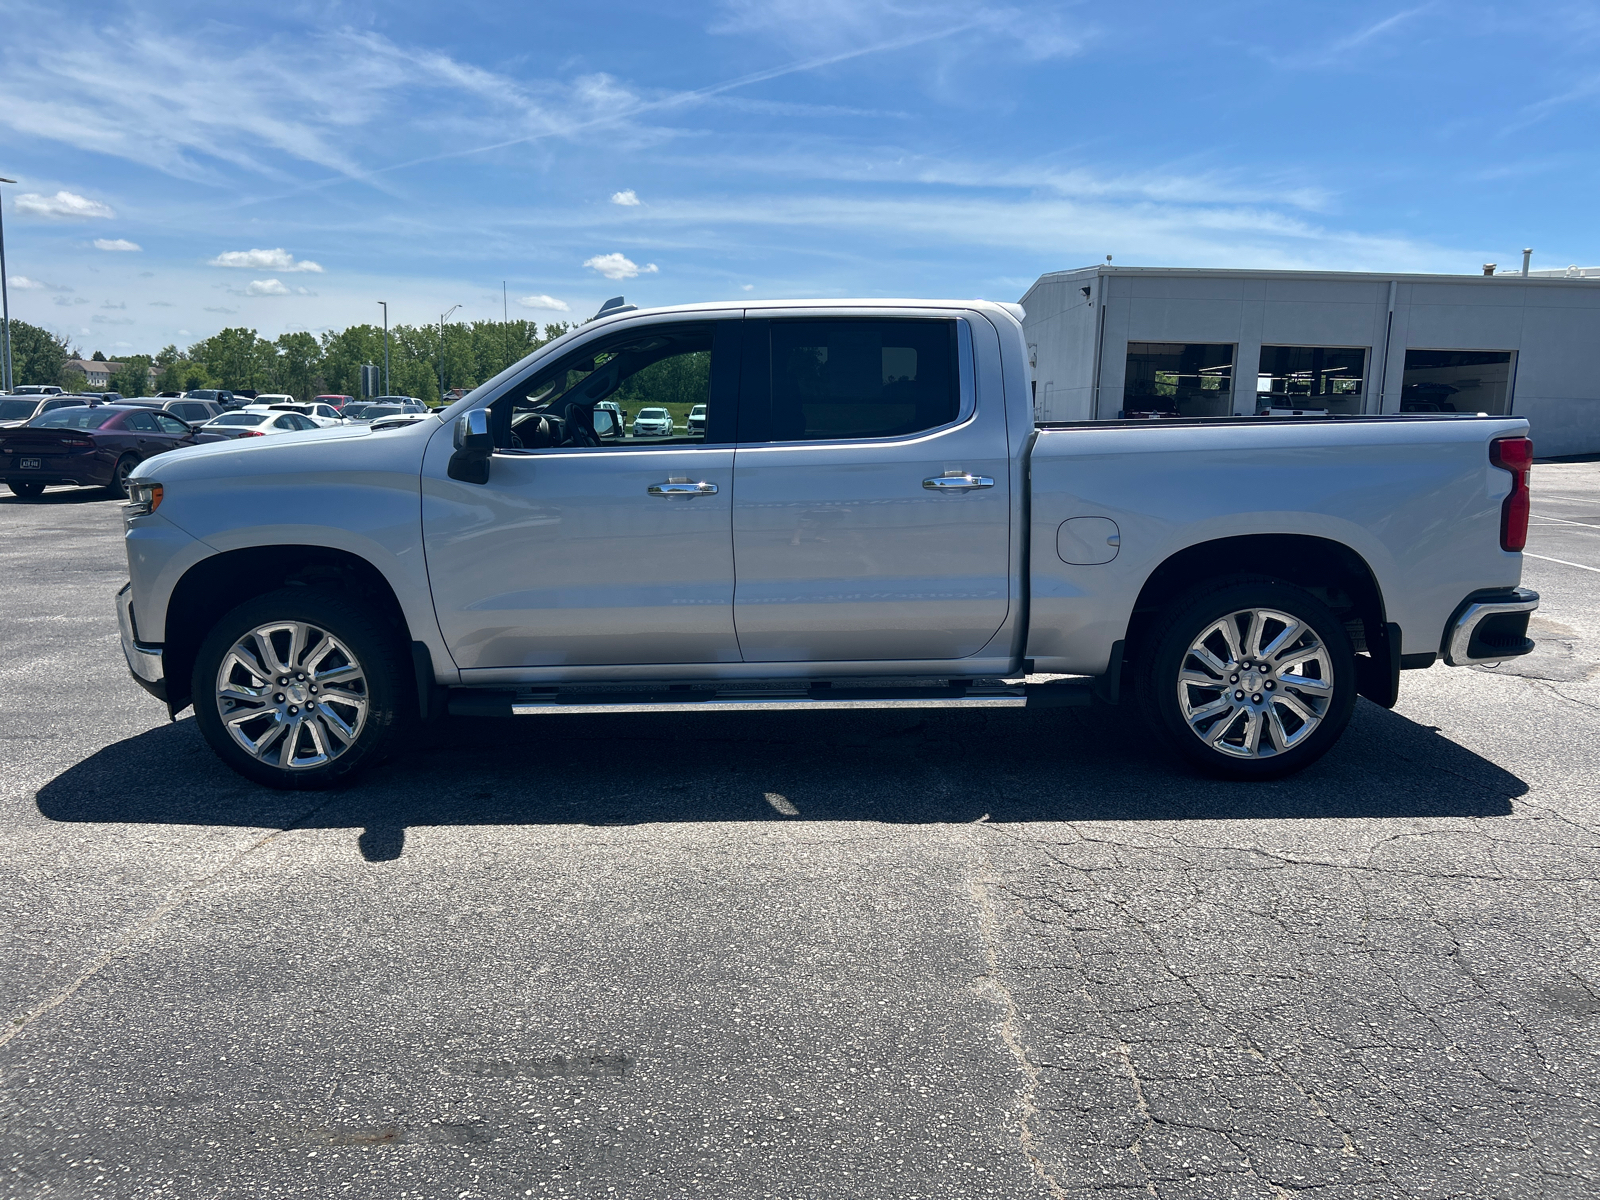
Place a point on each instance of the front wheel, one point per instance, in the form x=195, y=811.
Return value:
x=300, y=689
x=1248, y=679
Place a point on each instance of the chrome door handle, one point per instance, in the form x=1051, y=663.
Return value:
x=958, y=481
x=682, y=487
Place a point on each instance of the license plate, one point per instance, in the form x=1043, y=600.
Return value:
x=30, y=464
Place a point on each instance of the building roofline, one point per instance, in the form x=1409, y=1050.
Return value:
x=1352, y=276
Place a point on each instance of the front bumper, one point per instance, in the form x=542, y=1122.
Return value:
x=144, y=662
x=1490, y=627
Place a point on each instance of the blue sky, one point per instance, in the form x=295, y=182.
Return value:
x=184, y=167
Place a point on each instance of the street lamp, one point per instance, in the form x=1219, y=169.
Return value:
x=386, y=390
x=5, y=307
x=442, y=319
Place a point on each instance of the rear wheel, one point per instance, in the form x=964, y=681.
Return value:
x=1248, y=678
x=26, y=490
x=117, y=489
x=299, y=689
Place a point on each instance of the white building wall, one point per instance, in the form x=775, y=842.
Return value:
x=1551, y=325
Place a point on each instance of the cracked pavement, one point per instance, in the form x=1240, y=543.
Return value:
x=756, y=954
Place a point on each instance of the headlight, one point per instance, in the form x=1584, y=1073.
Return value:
x=143, y=498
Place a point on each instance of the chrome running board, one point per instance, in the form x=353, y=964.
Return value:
x=529, y=702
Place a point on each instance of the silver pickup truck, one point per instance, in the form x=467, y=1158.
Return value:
x=866, y=515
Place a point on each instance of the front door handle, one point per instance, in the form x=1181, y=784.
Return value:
x=682, y=487
x=958, y=481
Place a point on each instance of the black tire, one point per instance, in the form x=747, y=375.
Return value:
x=117, y=489
x=28, y=491
x=1285, y=740
x=335, y=635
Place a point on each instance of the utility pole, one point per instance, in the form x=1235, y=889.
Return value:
x=505, y=323
x=442, y=319
x=5, y=307
x=386, y=390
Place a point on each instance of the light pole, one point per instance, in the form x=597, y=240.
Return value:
x=442, y=319
x=5, y=307
x=385, y=304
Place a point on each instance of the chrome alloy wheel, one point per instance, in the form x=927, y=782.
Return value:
x=1255, y=683
x=292, y=695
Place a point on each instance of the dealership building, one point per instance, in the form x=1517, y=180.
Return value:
x=1111, y=342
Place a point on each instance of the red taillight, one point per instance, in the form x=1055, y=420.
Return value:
x=1514, y=455
x=252, y=433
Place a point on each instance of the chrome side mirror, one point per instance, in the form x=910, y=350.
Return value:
x=474, y=447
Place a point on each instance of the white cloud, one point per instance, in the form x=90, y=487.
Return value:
x=266, y=287
x=66, y=301
x=162, y=304
x=747, y=287
x=615, y=266
x=849, y=28
x=263, y=260
x=113, y=304
x=225, y=311
x=99, y=320
x=69, y=205
x=23, y=284
x=540, y=300
x=628, y=199
x=116, y=244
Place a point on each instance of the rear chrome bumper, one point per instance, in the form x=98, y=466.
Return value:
x=1490, y=627
x=144, y=662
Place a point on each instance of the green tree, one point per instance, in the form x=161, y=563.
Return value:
x=38, y=356
x=237, y=358
x=296, y=364
x=98, y=357
x=133, y=379
x=345, y=353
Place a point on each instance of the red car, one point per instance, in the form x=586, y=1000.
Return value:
x=337, y=401
x=90, y=447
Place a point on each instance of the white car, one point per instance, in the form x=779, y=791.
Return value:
x=652, y=422
x=243, y=423
x=697, y=420
x=324, y=416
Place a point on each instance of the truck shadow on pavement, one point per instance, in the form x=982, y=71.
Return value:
x=889, y=766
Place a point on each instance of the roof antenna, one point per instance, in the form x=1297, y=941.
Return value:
x=615, y=305
x=1526, y=255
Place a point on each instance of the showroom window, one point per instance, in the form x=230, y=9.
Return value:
x=1471, y=381
x=1178, y=379
x=1329, y=378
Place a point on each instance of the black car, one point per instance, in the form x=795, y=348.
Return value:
x=89, y=447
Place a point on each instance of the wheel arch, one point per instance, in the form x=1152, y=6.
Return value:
x=1330, y=570
x=221, y=582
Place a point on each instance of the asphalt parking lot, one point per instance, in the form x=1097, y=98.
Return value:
x=813, y=955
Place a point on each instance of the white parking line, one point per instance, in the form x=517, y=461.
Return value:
x=1562, y=561
x=1564, y=521
x=1569, y=499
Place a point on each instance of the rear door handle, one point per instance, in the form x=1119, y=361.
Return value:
x=682, y=487
x=957, y=482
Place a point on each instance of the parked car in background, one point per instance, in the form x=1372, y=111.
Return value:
x=196, y=412
x=243, y=423
x=406, y=403
x=324, y=416
x=652, y=422
x=697, y=420
x=273, y=398
x=368, y=413
x=19, y=410
x=99, y=397
x=88, y=447
x=221, y=395
x=36, y=389
x=338, y=402
x=142, y=402
x=619, y=415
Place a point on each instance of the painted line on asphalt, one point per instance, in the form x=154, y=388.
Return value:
x=1562, y=561
x=1568, y=499
x=1564, y=521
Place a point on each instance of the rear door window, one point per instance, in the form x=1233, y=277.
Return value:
x=142, y=422
x=852, y=379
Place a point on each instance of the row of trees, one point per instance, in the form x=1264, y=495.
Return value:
x=300, y=364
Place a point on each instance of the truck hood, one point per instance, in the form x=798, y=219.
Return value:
x=256, y=455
